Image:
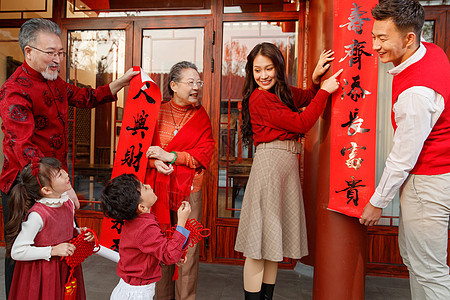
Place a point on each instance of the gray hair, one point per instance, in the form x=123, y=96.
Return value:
x=175, y=72
x=29, y=30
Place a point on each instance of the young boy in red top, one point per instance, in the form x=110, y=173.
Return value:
x=142, y=244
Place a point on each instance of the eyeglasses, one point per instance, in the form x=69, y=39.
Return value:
x=191, y=83
x=52, y=54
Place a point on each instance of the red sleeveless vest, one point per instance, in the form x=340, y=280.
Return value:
x=432, y=71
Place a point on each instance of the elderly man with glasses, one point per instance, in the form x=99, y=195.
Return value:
x=34, y=105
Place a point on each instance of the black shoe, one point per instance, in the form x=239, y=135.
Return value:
x=267, y=291
x=252, y=295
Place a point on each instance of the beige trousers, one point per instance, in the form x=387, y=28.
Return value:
x=423, y=234
x=185, y=288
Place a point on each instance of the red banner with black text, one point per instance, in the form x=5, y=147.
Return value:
x=136, y=134
x=354, y=107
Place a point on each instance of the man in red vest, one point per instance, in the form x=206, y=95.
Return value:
x=34, y=109
x=419, y=162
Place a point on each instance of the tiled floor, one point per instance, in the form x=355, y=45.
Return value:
x=223, y=282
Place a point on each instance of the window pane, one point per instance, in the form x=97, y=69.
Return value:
x=249, y=6
x=11, y=56
x=14, y=5
x=119, y=8
x=162, y=48
x=95, y=58
x=433, y=2
x=428, y=31
x=384, y=138
x=235, y=161
x=25, y=9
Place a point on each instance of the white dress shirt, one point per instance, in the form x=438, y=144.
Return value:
x=22, y=249
x=416, y=111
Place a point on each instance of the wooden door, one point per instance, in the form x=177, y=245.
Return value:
x=233, y=161
x=437, y=26
x=162, y=42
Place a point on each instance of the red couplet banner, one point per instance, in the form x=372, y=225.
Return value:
x=136, y=134
x=354, y=107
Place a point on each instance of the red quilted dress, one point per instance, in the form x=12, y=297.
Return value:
x=42, y=279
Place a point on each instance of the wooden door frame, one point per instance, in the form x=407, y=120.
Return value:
x=133, y=30
x=441, y=16
x=212, y=66
x=186, y=22
x=228, y=226
x=97, y=24
x=68, y=25
x=182, y=22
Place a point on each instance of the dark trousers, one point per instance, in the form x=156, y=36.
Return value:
x=9, y=264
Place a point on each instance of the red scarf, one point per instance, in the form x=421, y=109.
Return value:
x=195, y=137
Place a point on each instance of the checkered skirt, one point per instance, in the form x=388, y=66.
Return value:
x=272, y=223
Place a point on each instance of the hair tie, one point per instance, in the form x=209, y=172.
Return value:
x=35, y=169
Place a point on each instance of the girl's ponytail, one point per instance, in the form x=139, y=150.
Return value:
x=23, y=195
x=19, y=204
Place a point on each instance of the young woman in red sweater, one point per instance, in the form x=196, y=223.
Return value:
x=272, y=223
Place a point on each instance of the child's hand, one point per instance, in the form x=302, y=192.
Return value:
x=183, y=213
x=181, y=262
x=63, y=249
x=89, y=236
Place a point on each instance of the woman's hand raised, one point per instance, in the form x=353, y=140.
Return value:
x=332, y=84
x=322, y=65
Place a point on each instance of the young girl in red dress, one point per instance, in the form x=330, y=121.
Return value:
x=41, y=222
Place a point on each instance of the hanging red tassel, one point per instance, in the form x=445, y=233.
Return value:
x=176, y=272
x=197, y=233
x=70, y=288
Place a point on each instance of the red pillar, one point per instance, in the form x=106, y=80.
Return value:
x=340, y=241
x=338, y=245
x=339, y=271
